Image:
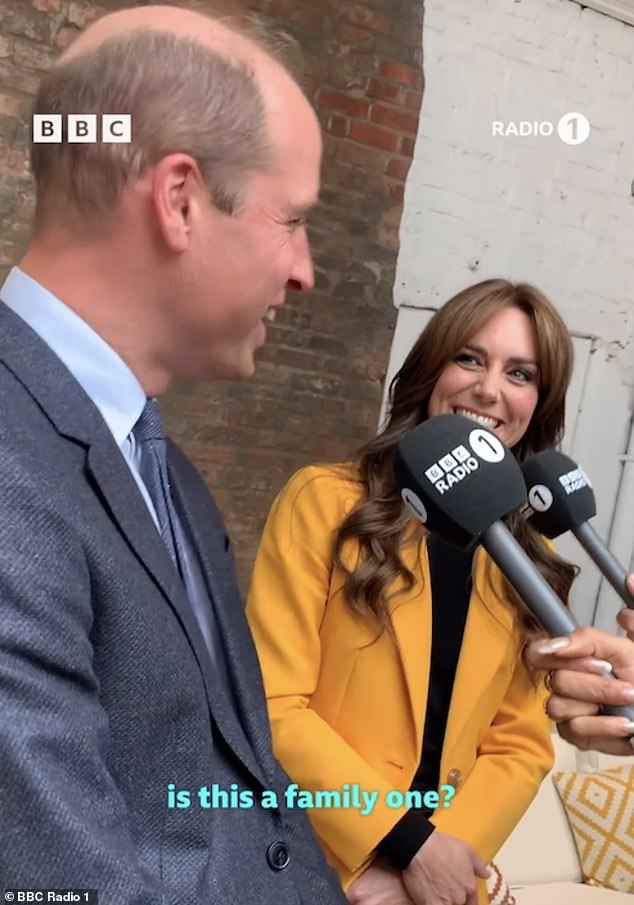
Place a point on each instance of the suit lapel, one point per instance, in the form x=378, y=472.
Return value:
x=128, y=510
x=120, y=496
x=411, y=620
x=113, y=482
x=74, y=415
x=210, y=541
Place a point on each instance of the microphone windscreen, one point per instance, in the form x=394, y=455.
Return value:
x=457, y=478
x=559, y=492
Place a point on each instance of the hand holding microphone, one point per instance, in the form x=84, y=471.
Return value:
x=460, y=481
x=579, y=696
x=561, y=497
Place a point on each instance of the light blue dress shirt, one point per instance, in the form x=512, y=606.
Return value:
x=103, y=375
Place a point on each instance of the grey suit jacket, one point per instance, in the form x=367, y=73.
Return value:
x=107, y=695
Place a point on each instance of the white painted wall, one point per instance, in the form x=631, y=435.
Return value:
x=534, y=208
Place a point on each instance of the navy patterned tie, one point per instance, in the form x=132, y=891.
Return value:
x=150, y=437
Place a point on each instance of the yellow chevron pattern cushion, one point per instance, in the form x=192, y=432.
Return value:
x=498, y=892
x=600, y=810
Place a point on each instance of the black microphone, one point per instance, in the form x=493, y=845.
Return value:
x=459, y=480
x=561, y=497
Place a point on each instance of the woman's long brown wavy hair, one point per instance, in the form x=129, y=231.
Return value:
x=379, y=523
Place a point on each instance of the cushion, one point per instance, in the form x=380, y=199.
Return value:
x=600, y=809
x=530, y=855
x=569, y=894
x=498, y=892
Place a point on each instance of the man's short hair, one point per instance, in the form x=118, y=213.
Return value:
x=182, y=96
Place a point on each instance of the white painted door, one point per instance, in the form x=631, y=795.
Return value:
x=599, y=425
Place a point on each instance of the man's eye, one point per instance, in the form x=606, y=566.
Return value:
x=296, y=222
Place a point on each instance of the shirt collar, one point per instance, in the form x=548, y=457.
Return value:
x=101, y=372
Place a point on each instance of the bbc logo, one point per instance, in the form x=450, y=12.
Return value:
x=83, y=128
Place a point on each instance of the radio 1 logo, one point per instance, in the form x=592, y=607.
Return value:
x=571, y=128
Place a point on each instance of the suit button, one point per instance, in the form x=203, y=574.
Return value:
x=277, y=855
x=454, y=778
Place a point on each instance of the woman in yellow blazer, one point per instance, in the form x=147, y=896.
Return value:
x=341, y=604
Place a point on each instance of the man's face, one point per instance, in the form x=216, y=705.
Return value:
x=239, y=268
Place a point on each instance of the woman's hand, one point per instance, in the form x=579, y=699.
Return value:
x=444, y=871
x=578, y=692
x=379, y=885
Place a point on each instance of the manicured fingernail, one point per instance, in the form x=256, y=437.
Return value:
x=628, y=727
x=552, y=646
x=628, y=694
x=600, y=666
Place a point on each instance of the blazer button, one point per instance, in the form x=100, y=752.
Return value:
x=278, y=856
x=454, y=778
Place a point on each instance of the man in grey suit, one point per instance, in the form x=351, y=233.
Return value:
x=135, y=753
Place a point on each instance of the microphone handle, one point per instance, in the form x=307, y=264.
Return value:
x=528, y=581
x=605, y=560
x=538, y=595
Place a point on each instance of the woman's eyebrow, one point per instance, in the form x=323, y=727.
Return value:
x=515, y=359
x=523, y=361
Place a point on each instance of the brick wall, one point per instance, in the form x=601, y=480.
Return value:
x=317, y=390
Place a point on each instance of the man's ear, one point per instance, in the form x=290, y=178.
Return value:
x=176, y=197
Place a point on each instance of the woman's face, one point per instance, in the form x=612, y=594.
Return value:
x=494, y=378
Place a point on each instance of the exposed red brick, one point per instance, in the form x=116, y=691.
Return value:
x=343, y=103
x=407, y=146
x=397, y=192
x=367, y=134
x=413, y=100
x=363, y=156
x=394, y=119
x=338, y=126
x=398, y=72
x=398, y=168
x=384, y=91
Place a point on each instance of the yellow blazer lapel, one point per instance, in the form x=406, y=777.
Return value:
x=488, y=640
x=411, y=620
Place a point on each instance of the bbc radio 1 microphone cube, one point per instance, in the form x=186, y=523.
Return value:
x=467, y=507
x=471, y=508
x=460, y=481
x=559, y=493
x=561, y=498
x=457, y=478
